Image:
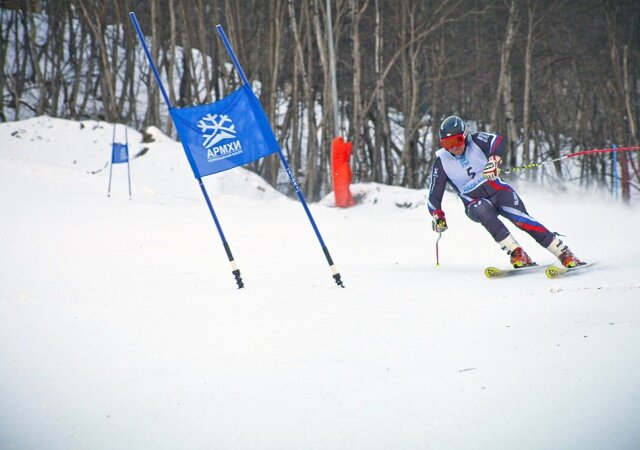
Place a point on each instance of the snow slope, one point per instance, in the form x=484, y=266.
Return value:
x=120, y=324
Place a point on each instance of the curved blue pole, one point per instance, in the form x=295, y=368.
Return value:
x=235, y=61
x=136, y=25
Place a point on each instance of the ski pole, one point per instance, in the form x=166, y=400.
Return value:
x=437, y=253
x=570, y=155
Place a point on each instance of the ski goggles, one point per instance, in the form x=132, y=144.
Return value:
x=452, y=141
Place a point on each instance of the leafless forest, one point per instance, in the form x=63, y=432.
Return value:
x=551, y=76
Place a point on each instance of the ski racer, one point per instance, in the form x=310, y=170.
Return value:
x=471, y=165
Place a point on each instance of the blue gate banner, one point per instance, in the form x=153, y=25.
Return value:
x=228, y=133
x=119, y=153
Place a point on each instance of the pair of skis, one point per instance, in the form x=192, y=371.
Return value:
x=550, y=271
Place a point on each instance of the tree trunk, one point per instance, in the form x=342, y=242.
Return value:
x=130, y=69
x=276, y=10
x=74, y=47
x=4, y=43
x=306, y=67
x=504, y=85
x=554, y=145
x=296, y=129
x=35, y=63
x=170, y=61
x=188, y=87
x=409, y=78
x=152, y=116
x=628, y=100
x=617, y=92
x=330, y=126
x=532, y=23
x=628, y=96
x=364, y=166
x=95, y=21
x=204, y=48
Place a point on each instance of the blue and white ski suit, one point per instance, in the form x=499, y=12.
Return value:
x=483, y=199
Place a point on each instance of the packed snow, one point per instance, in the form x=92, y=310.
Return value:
x=121, y=326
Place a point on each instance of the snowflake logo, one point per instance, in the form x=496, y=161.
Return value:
x=216, y=128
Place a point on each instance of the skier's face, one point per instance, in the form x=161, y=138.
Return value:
x=458, y=150
x=454, y=144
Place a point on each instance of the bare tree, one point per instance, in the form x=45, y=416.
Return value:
x=8, y=16
x=533, y=20
x=504, y=88
x=306, y=74
x=357, y=9
x=611, y=12
x=152, y=116
x=94, y=17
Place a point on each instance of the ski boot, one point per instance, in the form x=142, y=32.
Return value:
x=519, y=258
x=568, y=259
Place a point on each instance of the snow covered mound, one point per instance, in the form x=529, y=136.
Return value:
x=382, y=196
x=158, y=166
x=48, y=142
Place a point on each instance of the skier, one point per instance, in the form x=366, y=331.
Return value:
x=471, y=165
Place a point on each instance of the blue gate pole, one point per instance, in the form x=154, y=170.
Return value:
x=325, y=250
x=234, y=269
x=615, y=172
x=126, y=143
x=113, y=139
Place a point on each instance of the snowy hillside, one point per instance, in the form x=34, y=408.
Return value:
x=121, y=327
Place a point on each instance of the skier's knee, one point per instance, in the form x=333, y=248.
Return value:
x=481, y=210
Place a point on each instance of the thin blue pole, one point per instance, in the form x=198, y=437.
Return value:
x=301, y=197
x=325, y=250
x=136, y=25
x=126, y=142
x=113, y=139
x=615, y=172
x=234, y=269
x=235, y=61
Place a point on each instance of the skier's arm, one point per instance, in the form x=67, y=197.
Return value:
x=492, y=146
x=436, y=191
x=437, y=186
